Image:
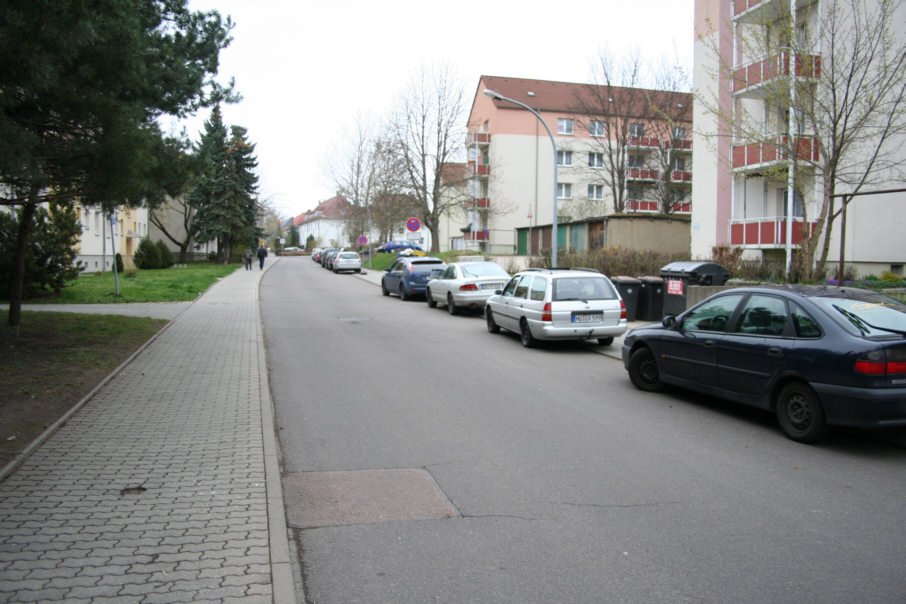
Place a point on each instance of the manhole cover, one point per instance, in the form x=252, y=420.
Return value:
x=318, y=499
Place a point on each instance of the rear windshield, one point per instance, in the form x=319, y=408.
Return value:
x=869, y=316
x=351, y=255
x=425, y=266
x=583, y=288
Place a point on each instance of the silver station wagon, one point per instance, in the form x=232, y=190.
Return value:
x=558, y=304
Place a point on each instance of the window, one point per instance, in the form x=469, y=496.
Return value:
x=564, y=190
x=806, y=326
x=596, y=192
x=763, y=315
x=679, y=133
x=713, y=315
x=596, y=160
x=564, y=158
x=634, y=192
x=523, y=287
x=511, y=286
x=636, y=161
x=539, y=286
x=564, y=126
x=597, y=128
x=677, y=195
x=636, y=130
x=679, y=164
x=798, y=210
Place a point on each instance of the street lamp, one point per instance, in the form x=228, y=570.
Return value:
x=500, y=97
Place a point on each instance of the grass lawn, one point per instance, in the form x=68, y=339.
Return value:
x=158, y=285
x=52, y=360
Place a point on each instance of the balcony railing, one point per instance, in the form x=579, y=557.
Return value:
x=767, y=232
x=757, y=73
x=741, y=6
x=478, y=138
x=681, y=176
x=480, y=235
x=478, y=203
x=768, y=152
x=642, y=174
x=641, y=205
x=476, y=169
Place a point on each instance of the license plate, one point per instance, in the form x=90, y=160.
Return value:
x=587, y=318
x=491, y=285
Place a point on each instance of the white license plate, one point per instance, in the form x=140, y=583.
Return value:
x=491, y=285
x=589, y=318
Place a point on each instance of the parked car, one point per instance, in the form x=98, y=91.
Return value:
x=465, y=285
x=315, y=254
x=347, y=261
x=323, y=253
x=327, y=258
x=396, y=245
x=816, y=356
x=408, y=277
x=558, y=304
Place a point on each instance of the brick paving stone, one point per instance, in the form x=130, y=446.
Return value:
x=155, y=490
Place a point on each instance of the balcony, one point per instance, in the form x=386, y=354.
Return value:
x=749, y=79
x=641, y=205
x=476, y=169
x=761, y=155
x=681, y=176
x=768, y=232
x=763, y=11
x=478, y=138
x=481, y=235
x=641, y=174
x=478, y=203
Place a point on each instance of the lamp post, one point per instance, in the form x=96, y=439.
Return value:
x=498, y=96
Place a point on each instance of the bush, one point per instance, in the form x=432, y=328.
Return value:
x=146, y=255
x=49, y=254
x=119, y=262
x=612, y=261
x=165, y=255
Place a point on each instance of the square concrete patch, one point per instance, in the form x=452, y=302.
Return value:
x=319, y=499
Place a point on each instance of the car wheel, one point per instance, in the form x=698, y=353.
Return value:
x=384, y=289
x=492, y=324
x=643, y=371
x=451, y=306
x=432, y=303
x=800, y=414
x=403, y=295
x=605, y=341
x=525, y=333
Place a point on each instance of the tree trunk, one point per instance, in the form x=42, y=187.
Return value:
x=17, y=287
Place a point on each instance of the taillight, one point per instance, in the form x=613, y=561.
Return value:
x=880, y=362
x=623, y=314
x=546, y=313
x=468, y=287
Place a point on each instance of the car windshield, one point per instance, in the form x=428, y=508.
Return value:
x=868, y=316
x=484, y=270
x=583, y=288
x=350, y=255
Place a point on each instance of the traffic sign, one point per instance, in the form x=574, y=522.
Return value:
x=363, y=240
x=413, y=224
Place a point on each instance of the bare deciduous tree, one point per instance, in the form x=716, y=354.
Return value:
x=428, y=131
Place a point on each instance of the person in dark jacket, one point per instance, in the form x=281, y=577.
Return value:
x=262, y=254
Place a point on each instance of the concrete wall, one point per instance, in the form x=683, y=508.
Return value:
x=640, y=232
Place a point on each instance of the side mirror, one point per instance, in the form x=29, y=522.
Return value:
x=669, y=321
x=498, y=292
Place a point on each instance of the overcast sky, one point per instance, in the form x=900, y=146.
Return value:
x=307, y=68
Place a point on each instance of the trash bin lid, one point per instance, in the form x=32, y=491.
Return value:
x=625, y=280
x=692, y=266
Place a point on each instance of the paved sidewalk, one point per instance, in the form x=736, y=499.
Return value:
x=164, y=486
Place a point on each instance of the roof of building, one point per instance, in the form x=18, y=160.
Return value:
x=333, y=208
x=568, y=97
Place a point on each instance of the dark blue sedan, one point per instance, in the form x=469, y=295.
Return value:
x=409, y=276
x=814, y=355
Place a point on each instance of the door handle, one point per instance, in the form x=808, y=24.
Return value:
x=774, y=351
x=709, y=343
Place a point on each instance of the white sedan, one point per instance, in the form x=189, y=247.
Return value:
x=463, y=285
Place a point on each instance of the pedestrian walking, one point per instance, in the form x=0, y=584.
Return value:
x=262, y=254
x=248, y=258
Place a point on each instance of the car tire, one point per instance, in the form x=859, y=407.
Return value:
x=800, y=414
x=643, y=371
x=451, y=306
x=493, y=327
x=432, y=303
x=384, y=289
x=525, y=334
x=403, y=295
x=605, y=341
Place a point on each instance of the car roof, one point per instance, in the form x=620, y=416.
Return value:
x=812, y=291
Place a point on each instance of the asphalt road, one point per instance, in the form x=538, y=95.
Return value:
x=564, y=483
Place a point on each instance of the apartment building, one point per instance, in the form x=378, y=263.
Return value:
x=97, y=246
x=759, y=181
x=510, y=161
